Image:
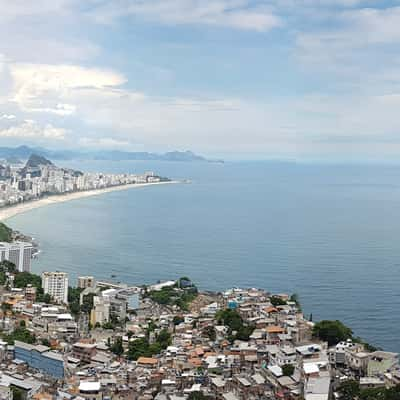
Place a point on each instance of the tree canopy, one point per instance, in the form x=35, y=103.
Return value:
x=22, y=334
x=237, y=329
x=142, y=347
x=277, y=301
x=181, y=294
x=350, y=390
x=288, y=369
x=332, y=332
x=5, y=233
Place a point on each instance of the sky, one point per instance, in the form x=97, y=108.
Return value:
x=251, y=79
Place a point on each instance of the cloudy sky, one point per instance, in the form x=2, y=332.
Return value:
x=305, y=79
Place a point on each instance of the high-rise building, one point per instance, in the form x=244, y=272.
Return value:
x=86, y=281
x=56, y=285
x=19, y=253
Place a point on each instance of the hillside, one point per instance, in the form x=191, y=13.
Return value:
x=35, y=161
x=5, y=233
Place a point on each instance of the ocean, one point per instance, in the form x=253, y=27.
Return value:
x=329, y=233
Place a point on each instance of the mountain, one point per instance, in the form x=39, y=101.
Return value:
x=24, y=152
x=35, y=161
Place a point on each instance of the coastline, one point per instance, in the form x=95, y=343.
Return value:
x=13, y=210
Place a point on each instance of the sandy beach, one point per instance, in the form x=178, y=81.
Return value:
x=11, y=211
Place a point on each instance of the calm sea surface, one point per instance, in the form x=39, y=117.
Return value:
x=329, y=233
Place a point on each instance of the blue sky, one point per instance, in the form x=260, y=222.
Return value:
x=297, y=79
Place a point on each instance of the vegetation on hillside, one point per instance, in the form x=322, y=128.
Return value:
x=74, y=299
x=350, y=390
x=277, y=301
x=20, y=333
x=334, y=332
x=181, y=294
x=5, y=268
x=237, y=330
x=5, y=233
x=210, y=332
x=23, y=279
x=142, y=347
x=198, y=396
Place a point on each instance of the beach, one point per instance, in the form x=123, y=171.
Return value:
x=11, y=211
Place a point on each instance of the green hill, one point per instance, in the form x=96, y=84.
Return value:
x=5, y=233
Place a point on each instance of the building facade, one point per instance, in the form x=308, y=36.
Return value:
x=41, y=358
x=86, y=281
x=19, y=253
x=56, y=285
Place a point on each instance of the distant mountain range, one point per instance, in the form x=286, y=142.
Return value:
x=24, y=152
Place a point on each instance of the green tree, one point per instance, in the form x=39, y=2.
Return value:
x=277, y=301
x=22, y=279
x=117, y=347
x=181, y=294
x=8, y=266
x=288, y=370
x=332, y=332
x=74, y=299
x=87, y=303
x=6, y=233
x=198, y=396
x=18, y=394
x=349, y=390
x=46, y=298
x=373, y=394
x=3, y=278
x=108, y=325
x=295, y=298
x=141, y=347
x=21, y=334
x=164, y=338
x=210, y=332
x=237, y=330
x=138, y=348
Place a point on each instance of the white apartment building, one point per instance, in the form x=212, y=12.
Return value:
x=56, y=285
x=19, y=253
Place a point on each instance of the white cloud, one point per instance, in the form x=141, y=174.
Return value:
x=44, y=88
x=30, y=129
x=237, y=14
x=7, y=116
x=20, y=8
x=353, y=49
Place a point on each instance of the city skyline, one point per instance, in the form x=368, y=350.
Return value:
x=307, y=80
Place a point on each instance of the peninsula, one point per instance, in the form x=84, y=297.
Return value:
x=39, y=183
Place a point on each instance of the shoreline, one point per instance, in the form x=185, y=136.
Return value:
x=21, y=208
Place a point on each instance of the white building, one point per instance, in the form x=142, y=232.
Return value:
x=19, y=253
x=56, y=285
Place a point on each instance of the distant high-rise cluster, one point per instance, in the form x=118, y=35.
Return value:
x=40, y=177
